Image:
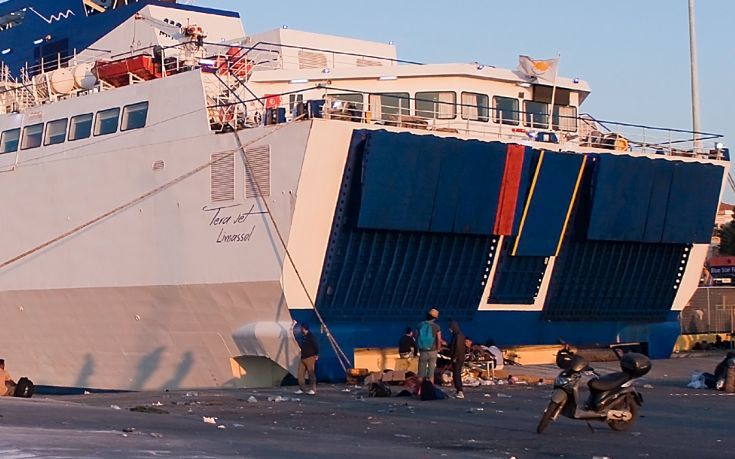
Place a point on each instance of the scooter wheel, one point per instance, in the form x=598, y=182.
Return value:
x=548, y=416
x=621, y=426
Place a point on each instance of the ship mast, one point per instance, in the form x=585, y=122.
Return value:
x=695, y=78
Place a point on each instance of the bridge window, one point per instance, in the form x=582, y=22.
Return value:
x=81, y=127
x=436, y=105
x=32, y=136
x=354, y=99
x=134, y=116
x=55, y=132
x=565, y=118
x=106, y=121
x=475, y=107
x=505, y=110
x=390, y=105
x=9, y=141
x=536, y=114
x=294, y=99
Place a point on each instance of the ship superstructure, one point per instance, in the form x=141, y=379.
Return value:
x=178, y=193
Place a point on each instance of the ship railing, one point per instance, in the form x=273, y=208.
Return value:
x=580, y=133
x=50, y=63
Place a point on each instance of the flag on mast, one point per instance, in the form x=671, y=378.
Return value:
x=538, y=68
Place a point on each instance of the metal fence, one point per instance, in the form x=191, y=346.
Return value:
x=711, y=310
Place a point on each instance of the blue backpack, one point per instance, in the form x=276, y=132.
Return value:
x=426, y=339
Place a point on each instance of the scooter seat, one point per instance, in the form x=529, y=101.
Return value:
x=608, y=382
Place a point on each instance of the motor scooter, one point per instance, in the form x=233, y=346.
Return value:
x=612, y=398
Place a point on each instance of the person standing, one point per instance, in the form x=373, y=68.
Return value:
x=428, y=343
x=309, y=356
x=457, y=350
x=7, y=385
x=407, y=345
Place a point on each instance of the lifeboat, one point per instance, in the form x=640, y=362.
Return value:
x=117, y=73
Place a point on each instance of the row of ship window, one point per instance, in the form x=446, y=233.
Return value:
x=79, y=127
x=442, y=105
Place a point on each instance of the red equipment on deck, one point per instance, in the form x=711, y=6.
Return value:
x=117, y=73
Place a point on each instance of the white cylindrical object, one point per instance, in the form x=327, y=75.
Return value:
x=62, y=81
x=83, y=76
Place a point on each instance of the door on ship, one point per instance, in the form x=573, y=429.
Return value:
x=50, y=55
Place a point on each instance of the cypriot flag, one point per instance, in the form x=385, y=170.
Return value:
x=538, y=68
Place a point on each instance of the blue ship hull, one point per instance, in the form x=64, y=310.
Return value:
x=506, y=328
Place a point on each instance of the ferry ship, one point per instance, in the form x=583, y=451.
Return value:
x=178, y=194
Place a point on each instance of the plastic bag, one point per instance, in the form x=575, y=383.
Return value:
x=697, y=381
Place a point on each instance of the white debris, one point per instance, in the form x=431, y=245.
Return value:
x=114, y=407
x=401, y=436
x=278, y=399
x=86, y=392
x=501, y=395
x=648, y=386
x=252, y=399
x=209, y=420
x=221, y=427
x=488, y=395
x=157, y=404
x=697, y=381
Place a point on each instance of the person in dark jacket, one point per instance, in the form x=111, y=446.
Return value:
x=717, y=380
x=457, y=350
x=309, y=356
x=407, y=345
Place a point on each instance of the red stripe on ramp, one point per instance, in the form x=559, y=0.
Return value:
x=509, y=190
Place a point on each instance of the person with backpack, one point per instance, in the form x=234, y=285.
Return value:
x=428, y=342
x=457, y=351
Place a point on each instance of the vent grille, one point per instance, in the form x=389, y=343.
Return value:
x=223, y=177
x=362, y=62
x=258, y=171
x=312, y=60
x=158, y=165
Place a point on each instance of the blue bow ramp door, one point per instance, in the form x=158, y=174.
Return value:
x=550, y=200
x=379, y=270
x=653, y=200
x=424, y=183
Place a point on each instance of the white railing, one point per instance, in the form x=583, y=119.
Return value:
x=582, y=132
